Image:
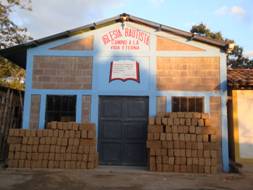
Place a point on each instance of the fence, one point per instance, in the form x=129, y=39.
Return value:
x=11, y=107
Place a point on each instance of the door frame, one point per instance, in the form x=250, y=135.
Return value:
x=99, y=120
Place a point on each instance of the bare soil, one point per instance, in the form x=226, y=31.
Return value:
x=119, y=178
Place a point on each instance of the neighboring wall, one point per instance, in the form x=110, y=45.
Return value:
x=242, y=125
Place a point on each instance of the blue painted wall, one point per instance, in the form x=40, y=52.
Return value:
x=102, y=57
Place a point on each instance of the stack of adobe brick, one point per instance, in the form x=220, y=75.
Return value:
x=62, y=145
x=183, y=142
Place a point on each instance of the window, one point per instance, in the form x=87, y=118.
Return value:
x=61, y=108
x=188, y=104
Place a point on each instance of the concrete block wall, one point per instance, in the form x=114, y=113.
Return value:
x=59, y=72
x=215, y=114
x=188, y=73
x=86, y=108
x=161, y=102
x=35, y=111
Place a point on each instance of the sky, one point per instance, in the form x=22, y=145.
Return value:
x=233, y=18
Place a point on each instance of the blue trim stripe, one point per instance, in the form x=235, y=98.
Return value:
x=79, y=108
x=28, y=87
x=152, y=105
x=224, y=122
x=42, y=111
x=94, y=110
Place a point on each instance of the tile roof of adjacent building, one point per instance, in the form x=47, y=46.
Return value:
x=17, y=54
x=240, y=78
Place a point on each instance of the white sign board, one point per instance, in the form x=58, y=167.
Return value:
x=124, y=70
x=125, y=39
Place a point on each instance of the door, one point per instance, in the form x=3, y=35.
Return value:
x=123, y=130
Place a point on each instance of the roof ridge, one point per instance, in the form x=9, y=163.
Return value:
x=19, y=51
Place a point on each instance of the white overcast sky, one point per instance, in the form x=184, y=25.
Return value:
x=52, y=16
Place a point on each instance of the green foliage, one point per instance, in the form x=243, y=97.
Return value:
x=14, y=84
x=202, y=30
x=14, y=73
x=10, y=35
x=235, y=58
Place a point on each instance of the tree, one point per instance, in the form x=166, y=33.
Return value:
x=236, y=59
x=202, y=30
x=10, y=35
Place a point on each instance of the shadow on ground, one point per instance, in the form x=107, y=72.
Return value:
x=119, y=179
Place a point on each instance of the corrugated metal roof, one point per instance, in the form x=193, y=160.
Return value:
x=17, y=54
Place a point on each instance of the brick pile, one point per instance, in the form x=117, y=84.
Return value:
x=66, y=145
x=183, y=142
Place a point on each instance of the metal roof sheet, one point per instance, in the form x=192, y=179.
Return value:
x=17, y=54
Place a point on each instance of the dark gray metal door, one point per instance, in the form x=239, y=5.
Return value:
x=123, y=130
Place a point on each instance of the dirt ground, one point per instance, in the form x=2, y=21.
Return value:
x=119, y=178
